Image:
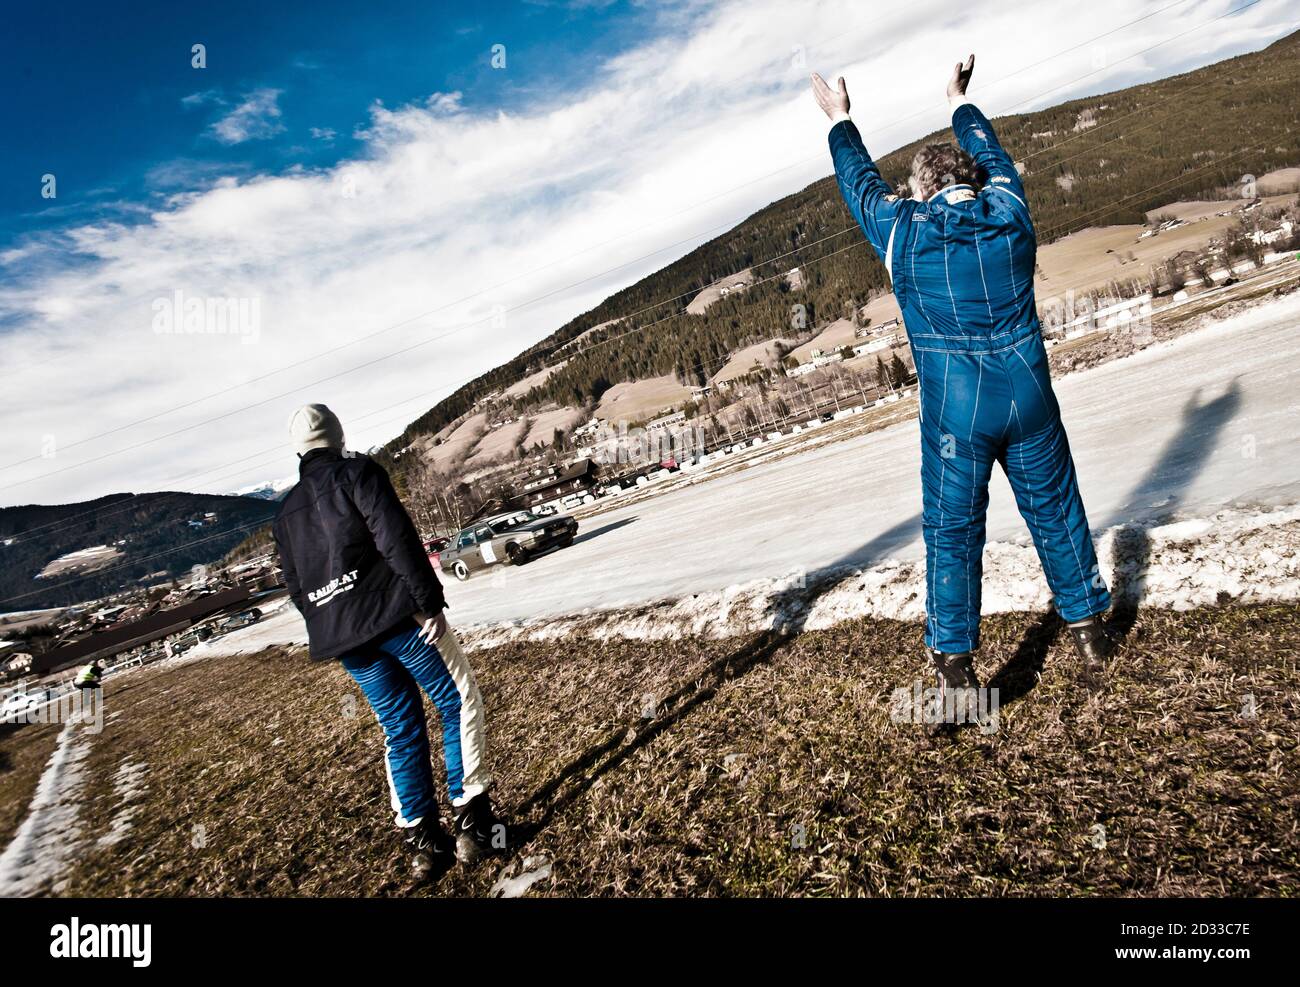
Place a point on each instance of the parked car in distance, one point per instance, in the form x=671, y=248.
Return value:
x=188, y=639
x=434, y=548
x=241, y=619
x=18, y=706
x=513, y=538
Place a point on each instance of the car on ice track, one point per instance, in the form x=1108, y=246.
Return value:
x=513, y=538
x=241, y=620
x=18, y=706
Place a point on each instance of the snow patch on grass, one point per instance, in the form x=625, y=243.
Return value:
x=47, y=838
x=533, y=869
x=129, y=787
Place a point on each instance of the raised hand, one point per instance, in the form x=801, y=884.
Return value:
x=832, y=101
x=960, y=78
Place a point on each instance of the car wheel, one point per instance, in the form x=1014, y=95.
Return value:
x=516, y=553
x=460, y=570
x=566, y=541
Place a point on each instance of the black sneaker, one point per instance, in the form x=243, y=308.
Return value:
x=479, y=832
x=1094, y=642
x=955, y=673
x=432, y=852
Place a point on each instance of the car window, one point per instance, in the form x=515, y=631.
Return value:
x=465, y=540
x=483, y=534
x=513, y=521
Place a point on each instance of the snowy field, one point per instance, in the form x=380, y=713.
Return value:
x=1204, y=427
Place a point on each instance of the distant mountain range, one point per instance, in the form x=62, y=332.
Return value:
x=55, y=555
x=270, y=490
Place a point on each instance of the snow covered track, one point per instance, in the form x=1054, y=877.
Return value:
x=1242, y=556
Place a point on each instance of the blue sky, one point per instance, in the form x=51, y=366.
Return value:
x=390, y=216
x=104, y=96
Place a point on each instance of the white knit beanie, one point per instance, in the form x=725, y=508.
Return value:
x=314, y=426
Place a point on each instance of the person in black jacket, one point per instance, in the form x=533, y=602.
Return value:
x=357, y=571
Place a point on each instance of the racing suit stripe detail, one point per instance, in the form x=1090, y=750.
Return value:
x=947, y=276
x=394, y=798
x=979, y=257
x=974, y=486
x=999, y=188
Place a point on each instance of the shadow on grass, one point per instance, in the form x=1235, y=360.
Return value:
x=1020, y=673
x=577, y=777
x=788, y=609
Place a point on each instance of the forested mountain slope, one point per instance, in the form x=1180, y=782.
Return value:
x=1099, y=160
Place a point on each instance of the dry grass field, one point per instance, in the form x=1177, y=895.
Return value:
x=766, y=765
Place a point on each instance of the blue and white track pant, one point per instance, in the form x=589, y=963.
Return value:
x=391, y=677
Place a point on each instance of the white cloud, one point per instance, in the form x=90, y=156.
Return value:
x=257, y=117
x=202, y=98
x=452, y=208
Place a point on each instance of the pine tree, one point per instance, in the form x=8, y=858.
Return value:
x=898, y=371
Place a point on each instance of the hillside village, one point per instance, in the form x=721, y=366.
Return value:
x=513, y=447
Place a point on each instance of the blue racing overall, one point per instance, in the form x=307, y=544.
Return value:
x=962, y=265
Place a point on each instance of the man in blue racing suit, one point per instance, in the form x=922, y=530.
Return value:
x=960, y=253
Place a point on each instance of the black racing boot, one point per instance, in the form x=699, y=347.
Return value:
x=955, y=673
x=431, y=851
x=479, y=832
x=1094, y=642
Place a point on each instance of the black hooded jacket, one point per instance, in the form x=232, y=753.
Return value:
x=352, y=560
